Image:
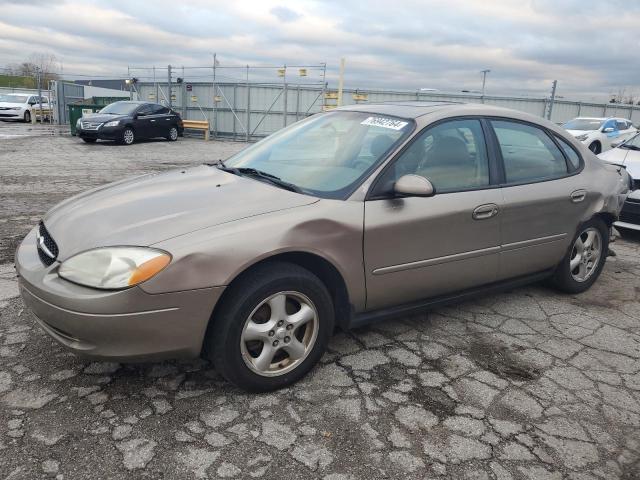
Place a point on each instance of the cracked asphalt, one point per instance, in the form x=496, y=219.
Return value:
x=527, y=384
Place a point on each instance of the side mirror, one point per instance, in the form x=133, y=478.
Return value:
x=607, y=130
x=413, y=186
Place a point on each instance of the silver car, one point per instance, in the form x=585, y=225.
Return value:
x=341, y=219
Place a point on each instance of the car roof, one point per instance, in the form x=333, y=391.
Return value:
x=407, y=109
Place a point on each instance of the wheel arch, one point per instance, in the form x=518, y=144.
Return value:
x=325, y=270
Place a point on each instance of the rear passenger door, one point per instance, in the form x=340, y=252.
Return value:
x=543, y=197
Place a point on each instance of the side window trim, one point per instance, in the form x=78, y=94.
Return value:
x=372, y=193
x=550, y=134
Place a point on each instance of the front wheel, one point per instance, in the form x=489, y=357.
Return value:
x=127, y=137
x=173, y=134
x=272, y=327
x=27, y=117
x=584, y=261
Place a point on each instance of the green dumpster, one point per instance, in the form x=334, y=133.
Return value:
x=76, y=110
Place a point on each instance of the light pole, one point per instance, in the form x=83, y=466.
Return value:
x=484, y=79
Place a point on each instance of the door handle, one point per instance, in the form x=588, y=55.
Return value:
x=153, y=120
x=578, y=196
x=485, y=211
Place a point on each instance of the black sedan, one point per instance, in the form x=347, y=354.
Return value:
x=128, y=121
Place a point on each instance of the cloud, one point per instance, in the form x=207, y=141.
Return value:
x=410, y=44
x=285, y=14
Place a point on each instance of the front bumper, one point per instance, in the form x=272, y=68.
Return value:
x=630, y=214
x=122, y=325
x=102, y=133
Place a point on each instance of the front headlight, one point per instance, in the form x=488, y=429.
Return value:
x=113, y=123
x=112, y=268
x=583, y=137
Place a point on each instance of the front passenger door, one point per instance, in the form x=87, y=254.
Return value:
x=417, y=247
x=142, y=122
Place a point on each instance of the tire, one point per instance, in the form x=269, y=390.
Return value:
x=27, y=117
x=127, y=137
x=595, y=147
x=89, y=140
x=173, y=134
x=246, y=311
x=580, y=278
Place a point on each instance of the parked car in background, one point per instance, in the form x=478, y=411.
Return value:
x=343, y=218
x=128, y=121
x=19, y=106
x=628, y=154
x=600, y=134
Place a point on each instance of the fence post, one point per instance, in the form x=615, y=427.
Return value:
x=248, y=124
x=579, y=108
x=297, y=102
x=169, y=86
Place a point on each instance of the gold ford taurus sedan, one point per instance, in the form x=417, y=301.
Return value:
x=341, y=219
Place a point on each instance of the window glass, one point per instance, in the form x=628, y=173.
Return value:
x=571, y=154
x=609, y=124
x=528, y=152
x=328, y=154
x=157, y=109
x=621, y=125
x=451, y=155
x=145, y=110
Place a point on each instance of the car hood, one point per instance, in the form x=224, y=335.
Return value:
x=102, y=117
x=11, y=104
x=577, y=133
x=148, y=209
x=623, y=156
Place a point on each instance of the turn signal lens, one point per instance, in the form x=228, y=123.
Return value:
x=148, y=269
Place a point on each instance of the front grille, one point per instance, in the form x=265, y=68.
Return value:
x=46, y=245
x=90, y=125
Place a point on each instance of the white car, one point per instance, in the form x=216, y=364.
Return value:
x=601, y=134
x=21, y=106
x=628, y=154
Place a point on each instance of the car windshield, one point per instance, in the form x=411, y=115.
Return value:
x=632, y=144
x=327, y=154
x=120, y=108
x=583, y=124
x=14, y=98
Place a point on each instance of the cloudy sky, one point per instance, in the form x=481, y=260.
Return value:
x=590, y=46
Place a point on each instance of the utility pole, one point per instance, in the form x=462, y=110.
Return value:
x=484, y=81
x=340, y=82
x=553, y=97
x=169, y=83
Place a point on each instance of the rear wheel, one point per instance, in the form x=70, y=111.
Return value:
x=272, y=327
x=89, y=140
x=127, y=137
x=595, y=147
x=27, y=117
x=173, y=134
x=584, y=261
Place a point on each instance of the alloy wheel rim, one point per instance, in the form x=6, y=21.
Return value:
x=173, y=133
x=585, y=254
x=279, y=333
x=128, y=137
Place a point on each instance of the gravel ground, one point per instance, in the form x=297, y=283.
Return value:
x=527, y=384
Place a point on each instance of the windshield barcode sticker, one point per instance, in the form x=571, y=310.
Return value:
x=384, y=123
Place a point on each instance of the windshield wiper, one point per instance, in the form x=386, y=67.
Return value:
x=629, y=147
x=253, y=172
